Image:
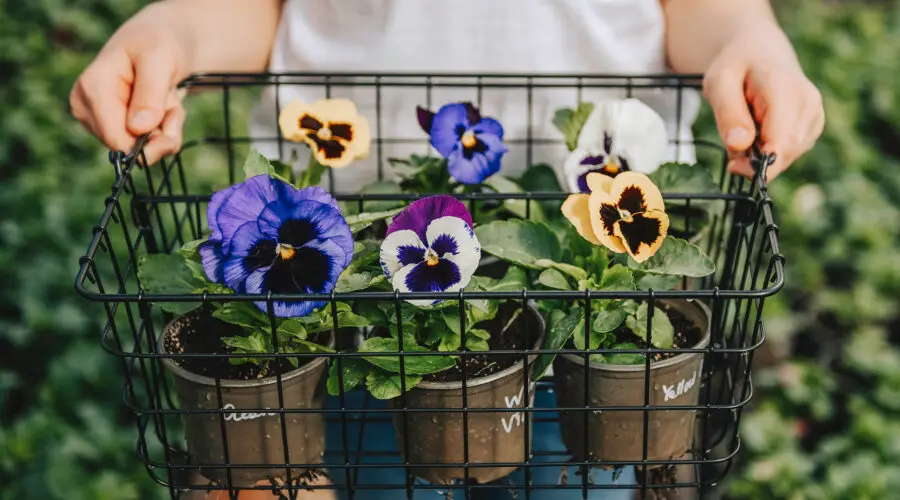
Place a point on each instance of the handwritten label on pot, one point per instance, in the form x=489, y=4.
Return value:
x=675, y=390
x=515, y=420
x=238, y=417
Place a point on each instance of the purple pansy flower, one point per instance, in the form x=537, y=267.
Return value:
x=472, y=144
x=431, y=247
x=267, y=236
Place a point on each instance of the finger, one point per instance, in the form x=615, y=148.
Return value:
x=99, y=103
x=741, y=166
x=724, y=89
x=154, y=75
x=168, y=140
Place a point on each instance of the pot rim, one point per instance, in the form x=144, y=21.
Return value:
x=487, y=379
x=198, y=379
x=675, y=360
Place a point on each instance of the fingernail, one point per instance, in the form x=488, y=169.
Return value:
x=143, y=119
x=738, y=136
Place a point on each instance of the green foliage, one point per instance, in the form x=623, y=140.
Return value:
x=571, y=121
x=825, y=423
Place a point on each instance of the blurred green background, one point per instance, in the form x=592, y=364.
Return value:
x=825, y=423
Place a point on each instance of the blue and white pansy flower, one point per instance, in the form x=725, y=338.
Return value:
x=268, y=236
x=430, y=247
x=620, y=135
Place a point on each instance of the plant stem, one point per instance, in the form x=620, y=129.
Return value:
x=313, y=173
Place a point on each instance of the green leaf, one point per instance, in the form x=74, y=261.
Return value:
x=312, y=176
x=477, y=344
x=190, y=250
x=254, y=343
x=291, y=328
x=413, y=365
x=244, y=314
x=625, y=358
x=168, y=274
x=677, y=257
x=358, y=222
x=410, y=168
x=540, y=177
x=303, y=345
x=384, y=385
x=480, y=333
x=663, y=335
x=519, y=208
x=519, y=241
x=256, y=164
x=617, y=278
x=608, y=320
x=353, y=282
x=353, y=372
x=684, y=178
x=551, y=278
x=561, y=328
x=657, y=282
x=570, y=122
x=281, y=170
x=514, y=280
x=573, y=271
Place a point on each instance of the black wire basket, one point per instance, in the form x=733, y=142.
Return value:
x=158, y=208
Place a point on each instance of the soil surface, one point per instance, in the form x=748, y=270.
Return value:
x=516, y=337
x=198, y=332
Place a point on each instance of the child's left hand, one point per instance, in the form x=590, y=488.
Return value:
x=759, y=68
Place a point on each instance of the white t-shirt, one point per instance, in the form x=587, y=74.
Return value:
x=581, y=37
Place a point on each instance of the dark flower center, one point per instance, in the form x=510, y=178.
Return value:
x=297, y=232
x=433, y=278
x=261, y=255
x=308, y=270
x=638, y=230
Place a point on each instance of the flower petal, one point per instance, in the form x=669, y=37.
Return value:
x=599, y=182
x=635, y=192
x=444, y=276
x=578, y=165
x=576, y=210
x=289, y=120
x=638, y=133
x=474, y=166
x=250, y=250
x=418, y=215
x=644, y=234
x=398, y=249
x=213, y=260
x=306, y=221
x=448, y=124
x=488, y=126
x=603, y=214
x=452, y=238
x=231, y=208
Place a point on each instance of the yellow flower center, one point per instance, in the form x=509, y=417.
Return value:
x=625, y=214
x=431, y=258
x=324, y=133
x=611, y=166
x=285, y=251
x=468, y=139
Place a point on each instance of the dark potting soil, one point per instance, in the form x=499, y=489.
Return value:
x=198, y=332
x=521, y=335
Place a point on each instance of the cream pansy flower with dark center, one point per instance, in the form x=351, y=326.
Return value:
x=332, y=128
x=625, y=214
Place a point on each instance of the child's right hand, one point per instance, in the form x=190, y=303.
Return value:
x=129, y=89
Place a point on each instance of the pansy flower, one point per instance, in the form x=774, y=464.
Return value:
x=334, y=130
x=472, y=144
x=618, y=136
x=268, y=236
x=430, y=247
x=624, y=214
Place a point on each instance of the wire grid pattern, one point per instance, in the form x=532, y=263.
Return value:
x=156, y=209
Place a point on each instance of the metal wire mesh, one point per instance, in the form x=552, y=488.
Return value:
x=156, y=209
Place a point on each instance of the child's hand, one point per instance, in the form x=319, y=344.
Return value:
x=758, y=67
x=129, y=89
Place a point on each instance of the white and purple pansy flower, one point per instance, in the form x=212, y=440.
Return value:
x=472, y=144
x=267, y=236
x=430, y=247
x=619, y=136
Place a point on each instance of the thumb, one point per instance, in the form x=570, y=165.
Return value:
x=724, y=89
x=154, y=74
